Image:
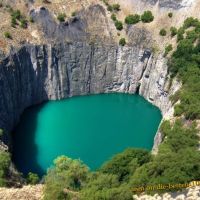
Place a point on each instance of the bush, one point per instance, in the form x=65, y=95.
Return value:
x=170, y=15
x=124, y=164
x=4, y=167
x=16, y=14
x=116, y=7
x=173, y=31
x=110, y=8
x=65, y=174
x=32, y=178
x=8, y=35
x=23, y=23
x=168, y=48
x=61, y=17
x=163, y=32
x=119, y=25
x=74, y=14
x=147, y=17
x=122, y=42
x=1, y=132
x=113, y=17
x=132, y=19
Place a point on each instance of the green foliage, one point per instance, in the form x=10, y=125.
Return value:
x=16, y=14
x=185, y=64
x=113, y=17
x=66, y=174
x=173, y=31
x=61, y=17
x=7, y=35
x=116, y=7
x=110, y=8
x=177, y=161
x=122, y=42
x=147, y=17
x=32, y=178
x=4, y=166
x=180, y=34
x=132, y=19
x=119, y=25
x=1, y=132
x=163, y=32
x=168, y=48
x=23, y=23
x=74, y=14
x=124, y=164
x=31, y=20
x=105, y=186
x=170, y=14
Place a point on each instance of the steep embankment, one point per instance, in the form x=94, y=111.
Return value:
x=38, y=73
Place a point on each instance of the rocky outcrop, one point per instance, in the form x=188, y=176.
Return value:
x=37, y=73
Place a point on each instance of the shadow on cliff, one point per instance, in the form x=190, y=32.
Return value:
x=25, y=149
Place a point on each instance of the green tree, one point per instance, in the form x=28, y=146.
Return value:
x=61, y=17
x=124, y=164
x=7, y=35
x=122, y=42
x=32, y=178
x=132, y=19
x=170, y=14
x=116, y=7
x=105, y=186
x=173, y=31
x=147, y=17
x=119, y=25
x=163, y=32
x=168, y=48
x=113, y=17
x=4, y=167
x=66, y=174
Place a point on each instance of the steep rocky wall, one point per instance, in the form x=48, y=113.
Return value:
x=37, y=73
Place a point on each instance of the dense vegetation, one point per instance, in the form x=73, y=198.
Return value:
x=185, y=63
x=132, y=19
x=147, y=17
x=4, y=167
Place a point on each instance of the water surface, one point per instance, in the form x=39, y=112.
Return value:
x=92, y=128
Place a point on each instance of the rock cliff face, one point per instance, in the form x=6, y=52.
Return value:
x=37, y=73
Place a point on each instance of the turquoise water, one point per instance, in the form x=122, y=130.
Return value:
x=92, y=128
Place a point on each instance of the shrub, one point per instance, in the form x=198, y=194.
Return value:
x=61, y=17
x=124, y=164
x=180, y=34
x=32, y=178
x=132, y=19
x=65, y=174
x=147, y=17
x=74, y=14
x=119, y=25
x=116, y=7
x=122, y=42
x=31, y=20
x=173, y=31
x=4, y=167
x=16, y=14
x=110, y=8
x=170, y=15
x=23, y=23
x=168, y=48
x=1, y=132
x=163, y=32
x=8, y=35
x=113, y=17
